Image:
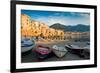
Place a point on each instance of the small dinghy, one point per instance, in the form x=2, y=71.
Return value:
x=26, y=44
x=42, y=52
x=73, y=49
x=59, y=51
x=80, y=51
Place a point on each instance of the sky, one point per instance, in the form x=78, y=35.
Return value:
x=52, y=17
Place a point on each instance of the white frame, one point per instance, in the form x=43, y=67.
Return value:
x=20, y=65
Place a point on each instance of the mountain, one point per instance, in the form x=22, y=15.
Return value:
x=58, y=26
x=75, y=28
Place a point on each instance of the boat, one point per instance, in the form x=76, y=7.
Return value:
x=73, y=48
x=26, y=44
x=86, y=52
x=59, y=51
x=83, y=52
x=42, y=52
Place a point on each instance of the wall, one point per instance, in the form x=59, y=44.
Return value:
x=5, y=37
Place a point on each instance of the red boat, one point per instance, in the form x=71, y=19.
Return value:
x=43, y=52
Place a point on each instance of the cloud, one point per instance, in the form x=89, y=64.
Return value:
x=64, y=20
x=85, y=15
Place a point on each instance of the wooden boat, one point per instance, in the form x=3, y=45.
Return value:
x=74, y=49
x=59, y=51
x=42, y=52
x=26, y=44
x=86, y=52
x=80, y=51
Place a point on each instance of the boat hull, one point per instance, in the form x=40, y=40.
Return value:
x=26, y=44
x=25, y=49
x=81, y=52
x=43, y=52
x=59, y=51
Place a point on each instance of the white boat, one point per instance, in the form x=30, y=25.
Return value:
x=26, y=44
x=59, y=51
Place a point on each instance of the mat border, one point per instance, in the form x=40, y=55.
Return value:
x=13, y=36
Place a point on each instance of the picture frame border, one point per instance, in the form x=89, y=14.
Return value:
x=13, y=36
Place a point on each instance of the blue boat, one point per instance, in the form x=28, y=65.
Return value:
x=27, y=44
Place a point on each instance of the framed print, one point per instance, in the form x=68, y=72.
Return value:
x=52, y=36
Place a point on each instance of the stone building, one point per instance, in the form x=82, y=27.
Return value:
x=79, y=36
